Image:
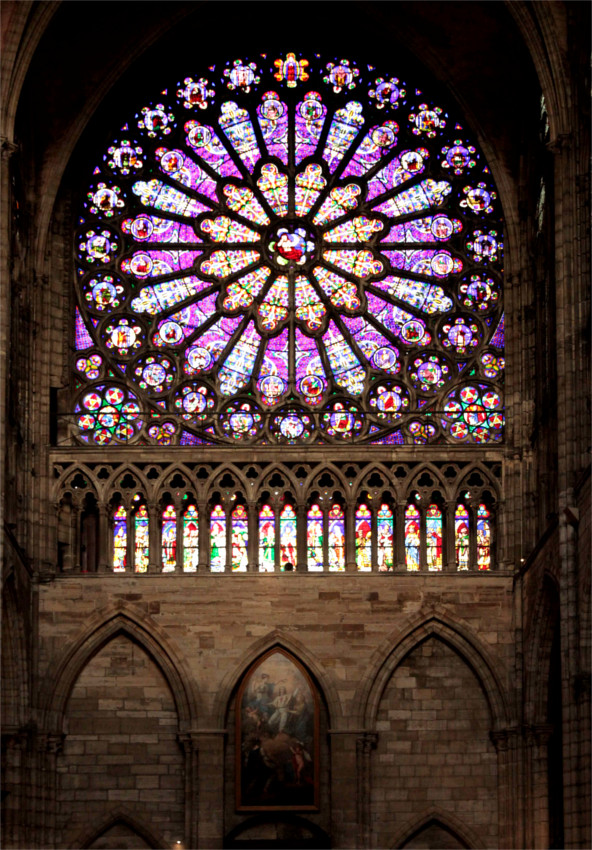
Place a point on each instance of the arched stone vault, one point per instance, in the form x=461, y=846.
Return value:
x=397, y=646
x=106, y=625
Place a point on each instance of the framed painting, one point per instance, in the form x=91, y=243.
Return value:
x=277, y=737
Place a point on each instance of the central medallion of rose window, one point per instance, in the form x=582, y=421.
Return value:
x=291, y=245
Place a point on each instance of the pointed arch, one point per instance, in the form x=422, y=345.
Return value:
x=139, y=822
x=396, y=648
x=367, y=472
x=106, y=626
x=163, y=482
x=437, y=816
x=281, y=470
x=277, y=640
x=230, y=469
x=319, y=471
x=111, y=484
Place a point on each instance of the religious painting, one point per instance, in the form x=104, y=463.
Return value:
x=277, y=737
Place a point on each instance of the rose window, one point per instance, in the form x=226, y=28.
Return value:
x=279, y=257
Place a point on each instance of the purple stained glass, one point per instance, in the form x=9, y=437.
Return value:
x=427, y=297
x=345, y=126
x=185, y=171
x=83, y=339
x=379, y=350
x=273, y=121
x=206, y=143
x=400, y=169
x=287, y=249
x=377, y=142
x=273, y=380
x=497, y=340
x=309, y=120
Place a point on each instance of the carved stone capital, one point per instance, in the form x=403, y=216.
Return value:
x=366, y=742
x=7, y=147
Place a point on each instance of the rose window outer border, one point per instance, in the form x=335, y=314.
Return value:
x=159, y=425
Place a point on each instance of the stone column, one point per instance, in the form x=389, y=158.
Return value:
x=374, y=536
x=253, y=538
x=365, y=743
x=208, y=747
x=203, y=515
x=540, y=785
x=350, y=537
x=302, y=565
x=449, y=553
x=104, y=538
x=400, y=536
x=189, y=748
x=507, y=745
x=75, y=534
x=154, y=554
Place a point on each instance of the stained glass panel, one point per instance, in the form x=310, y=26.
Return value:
x=141, y=540
x=120, y=539
x=336, y=539
x=296, y=244
x=363, y=539
x=239, y=539
x=169, y=539
x=412, y=538
x=483, y=538
x=314, y=539
x=386, y=555
x=434, y=538
x=190, y=539
x=461, y=536
x=266, y=539
x=288, y=539
x=218, y=539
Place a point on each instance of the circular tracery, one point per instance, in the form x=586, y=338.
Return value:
x=262, y=251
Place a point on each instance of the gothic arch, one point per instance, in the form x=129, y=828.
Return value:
x=138, y=628
x=392, y=652
x=138, y=822
x=227, y=469
x=240, y=832
x=277, y=640
x=438, y=816
x=111, y=484
x=277, y=467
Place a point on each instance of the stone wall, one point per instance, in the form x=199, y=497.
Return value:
x=418, y=665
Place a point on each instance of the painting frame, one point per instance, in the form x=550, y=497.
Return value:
x=277, y=737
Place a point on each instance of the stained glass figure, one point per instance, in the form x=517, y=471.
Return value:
x=169, y=539
x=288, y=538
x=315, y=539
x=412, y=538
x=120, y=539
x=483, y=538
x=239, y=539
x=300, y=247
x=336, y=539
x=364, y=538
x=384, y=539
x=141, y=540
x=434, y=537
x=218, y=539
x=266, y=539
x=461, y=536
x=190, y=539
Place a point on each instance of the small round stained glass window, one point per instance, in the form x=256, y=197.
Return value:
x=277, y=251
